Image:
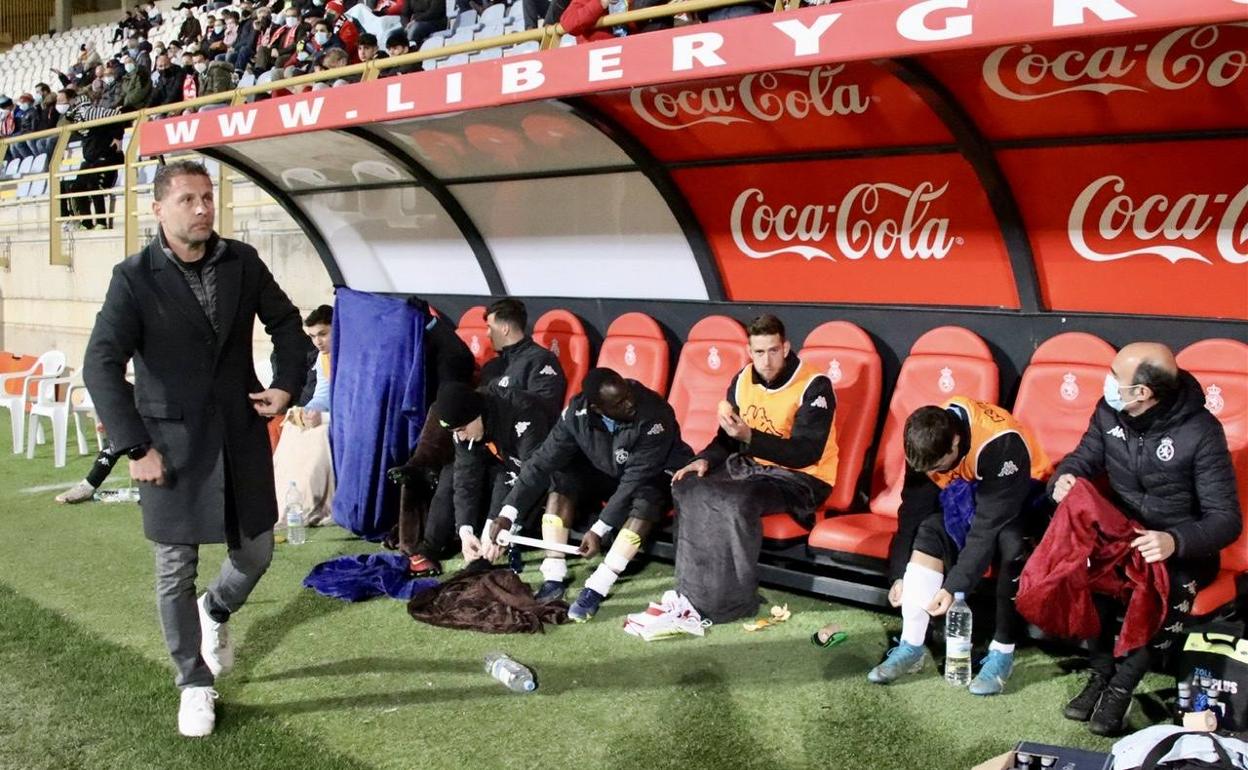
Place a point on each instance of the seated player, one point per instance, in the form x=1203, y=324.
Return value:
x=775, y=451
x=971, y=469
x=302, y=453
x=521, y=363
x=611, y=453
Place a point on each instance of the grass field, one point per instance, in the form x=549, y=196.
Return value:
x=85, y=680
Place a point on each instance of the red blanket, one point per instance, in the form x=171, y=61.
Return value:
x=1087, y=550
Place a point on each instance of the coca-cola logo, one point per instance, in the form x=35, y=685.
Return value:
x=1106, y=210
x=1182, y=59
x=858, y=224
x=764, y=97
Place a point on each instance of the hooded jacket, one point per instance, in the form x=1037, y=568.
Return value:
x=530, y=367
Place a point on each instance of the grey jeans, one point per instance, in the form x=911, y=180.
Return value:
x=176, y=569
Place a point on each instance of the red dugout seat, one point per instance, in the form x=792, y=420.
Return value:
x=1221, y=366
x=714, y=351
x=473, y=331
x=636, y=348
x=1060, y=388
x=561, y=332
x=847, y=355
x=944, y=362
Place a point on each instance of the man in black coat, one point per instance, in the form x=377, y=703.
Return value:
x=1168, y=467
x=166, y=82
x=521, y=364
x=194, y=422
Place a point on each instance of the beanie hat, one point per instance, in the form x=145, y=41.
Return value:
x=457, y=405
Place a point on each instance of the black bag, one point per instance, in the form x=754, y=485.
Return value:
x=1219, y=653
x=1164, y=746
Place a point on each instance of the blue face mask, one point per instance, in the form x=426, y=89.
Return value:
x=1113, y=394
x=612, y=425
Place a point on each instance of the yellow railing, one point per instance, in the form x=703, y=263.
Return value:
x=547, y=37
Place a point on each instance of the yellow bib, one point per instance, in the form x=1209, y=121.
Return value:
x=773, y=411
x=988, y=422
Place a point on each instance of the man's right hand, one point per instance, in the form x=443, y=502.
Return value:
x=699, y=467
x=1062, y=487
x=470, y=547
x=894, y=593
x=149, y=469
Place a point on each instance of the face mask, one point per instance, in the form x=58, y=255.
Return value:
x=131, y=67
x=292, y=21
x=318, y=2
x=201, y=66
x=219, y=28
x=134, y=52
x=62, y=108
x=303, y=56
x=25, y=106
x=322, y=38
x=1113, y=394
x=109, y=80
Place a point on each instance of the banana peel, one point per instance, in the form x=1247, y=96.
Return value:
x=779, y=614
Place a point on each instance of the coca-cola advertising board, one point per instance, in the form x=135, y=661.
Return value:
x=912, y=230
x=1183, y=79
x=1138, y=228
x=831, y=107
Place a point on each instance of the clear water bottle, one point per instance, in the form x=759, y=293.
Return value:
x=296, y=532
x=516, y=677
x=614, y=7
x=958, y=642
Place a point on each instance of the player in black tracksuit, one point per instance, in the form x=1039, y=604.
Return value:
x=529, y=367
x=612, y=451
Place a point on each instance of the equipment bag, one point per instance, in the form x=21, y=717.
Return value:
x=1220, y=654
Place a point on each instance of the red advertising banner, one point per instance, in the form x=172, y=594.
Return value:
x=830, y=107
x=808, y=37
x=1184, y=79
x=913, y=230
x=1139, y=228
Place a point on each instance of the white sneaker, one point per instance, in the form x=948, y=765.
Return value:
x=78, y=493
x=214, y=646
x=198, y=713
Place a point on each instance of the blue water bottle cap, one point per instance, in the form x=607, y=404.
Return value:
x=530, y=686
x=959, y=596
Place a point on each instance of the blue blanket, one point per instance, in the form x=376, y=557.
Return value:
x=957, y=502
x=378, y=393
x=356, y=578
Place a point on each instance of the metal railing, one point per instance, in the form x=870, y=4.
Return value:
x=547, y=37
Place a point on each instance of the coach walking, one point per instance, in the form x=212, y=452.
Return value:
x=193, y=423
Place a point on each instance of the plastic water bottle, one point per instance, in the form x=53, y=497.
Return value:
x=296, y=533
x=614, y=7
x=958, y=642
x=516, y=677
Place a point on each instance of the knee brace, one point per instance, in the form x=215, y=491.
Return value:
x=625, y=547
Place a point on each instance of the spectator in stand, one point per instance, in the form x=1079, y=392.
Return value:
x=267, y=33
x=136, y=86
x=581, y=15
x=110, y=96
x=214, y=36
x=154, y=16
x=397, y=45
x=123, y=27
x=421, y=18
x=88, y=60
x=190, y=31
x=100, y=147
x=249, y=33
x=331, y=60
x=135, y=47
x=230, y=21
x=45, y=117
x=285, y=44
x=31, y=117
x=167, y=83
x=8, y=126
x=19, y=110
x=367, y=48
x=217, y=77
x=191, y=81
x=320, y=41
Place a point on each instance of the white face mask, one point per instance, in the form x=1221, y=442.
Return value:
x=62, y=108
x=292, y=21
x=1113, y=394
x=219, y=28
x=131, y=67
x=25, y=106
x=201, y=66
x=109, y=80
x=322, y=38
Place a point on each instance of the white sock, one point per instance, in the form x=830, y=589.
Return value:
x=554, y=569
x=918, y=588
x=996, y=646
x=603, y=578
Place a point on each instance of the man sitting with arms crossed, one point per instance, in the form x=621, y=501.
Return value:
x=970, y=468
x=616, y=443
x=495, y=433
x=775, y=451
x=1168, y=467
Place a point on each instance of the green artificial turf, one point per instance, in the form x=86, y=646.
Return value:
x=85, y=680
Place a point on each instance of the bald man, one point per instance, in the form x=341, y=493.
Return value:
x=1168, y=467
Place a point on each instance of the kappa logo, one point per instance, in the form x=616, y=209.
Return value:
x=1165, y=450
x=621, y=456
x=582, y=411
x=504, y=382
x=1117, y=432
x=547, y=369
x=1069, y=389
x=512, y=476
x=820, y=403
x=1008, y=469
x=655, y=429
x=756, y=417
x=521, y=427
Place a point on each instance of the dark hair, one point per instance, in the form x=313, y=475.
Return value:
x=42, y=87
x=1163, y=383
x=322, y=315
x=929, y=436
x=597, y=379
x=509, y=310
x=166, y=173
x=366, y=38
x=397, y=37
x=765, y=326
x=70, y=93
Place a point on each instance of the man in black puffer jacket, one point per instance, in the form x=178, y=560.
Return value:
x=1168, y=467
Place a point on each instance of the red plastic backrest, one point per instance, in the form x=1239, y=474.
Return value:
x=562, y=333
x=847, y=355
x=945, y=362
x=1060, y=388
x=636, y=348
x=1221, y=366
x=713, y=353
x=476, y=336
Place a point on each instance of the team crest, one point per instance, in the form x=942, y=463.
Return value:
x=475, y=345
x=621, y=456
x=834, y=371
x=1213, y=400
x=521, y=427
x=1070, y=387
x=630, y=355
x=1165, y=450
x=504, y=381
x=554, y=347
x=712, y=358
x=946, y=382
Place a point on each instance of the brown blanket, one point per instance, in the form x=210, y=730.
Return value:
x=494, y=601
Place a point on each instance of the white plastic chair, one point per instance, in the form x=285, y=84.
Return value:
x=46, y=404
x=80, y=404
x=50, y=364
